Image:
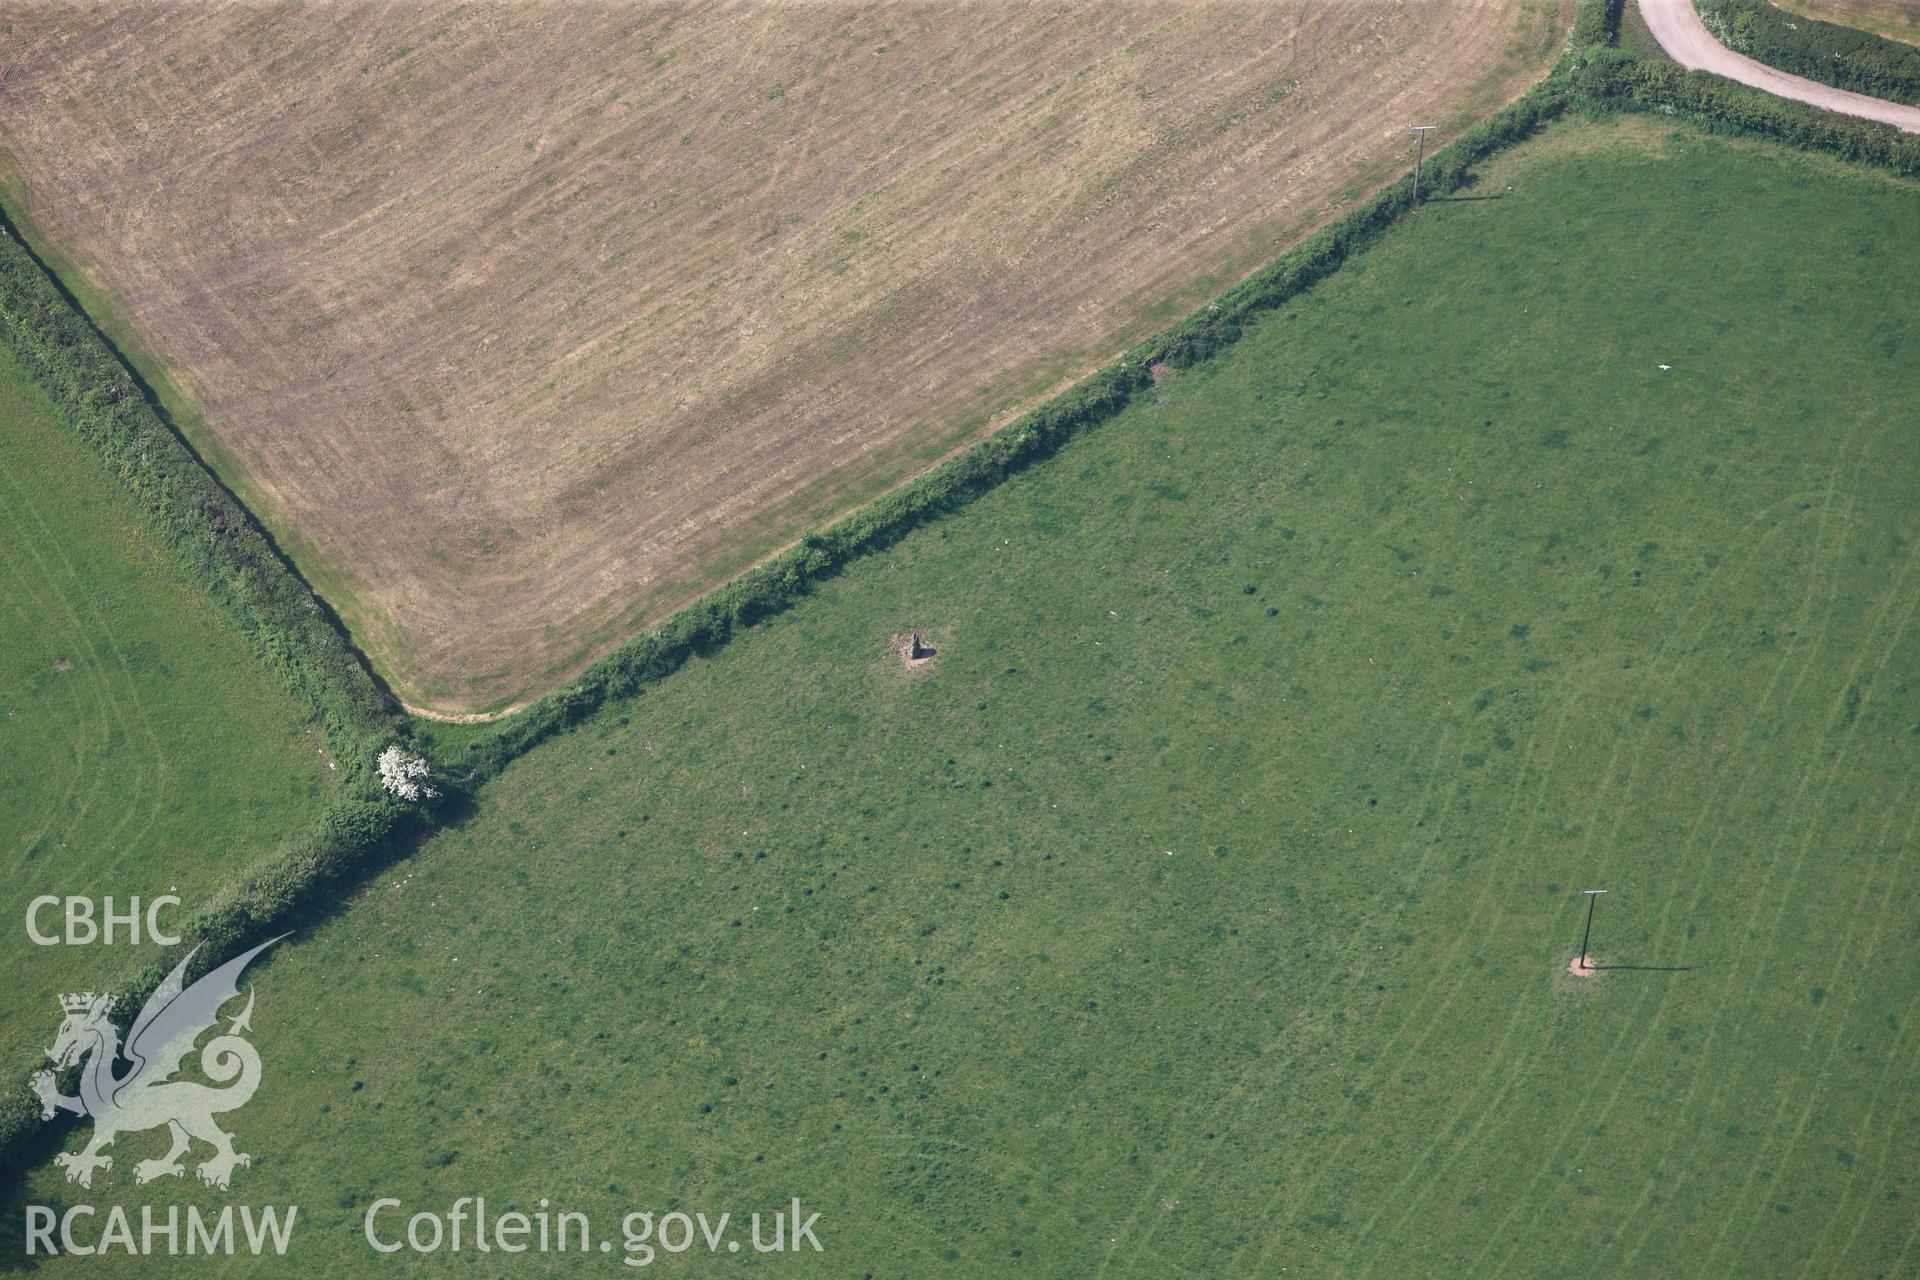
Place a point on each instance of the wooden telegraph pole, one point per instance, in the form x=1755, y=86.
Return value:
x=1420, y=153
x=1593, y=896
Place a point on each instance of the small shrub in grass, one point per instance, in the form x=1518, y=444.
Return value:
x=406, y=775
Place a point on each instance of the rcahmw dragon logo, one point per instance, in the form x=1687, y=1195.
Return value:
x=174, y=1017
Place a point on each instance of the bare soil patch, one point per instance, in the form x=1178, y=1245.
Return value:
x=520, y=325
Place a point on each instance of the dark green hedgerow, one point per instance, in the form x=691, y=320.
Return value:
x=276, y=895
x=1844, y=57
x=1615, y=78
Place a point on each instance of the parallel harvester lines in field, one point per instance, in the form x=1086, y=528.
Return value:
x=520, y=325
x=1602, y=1067
x=54, y=576
x=1487, y=1104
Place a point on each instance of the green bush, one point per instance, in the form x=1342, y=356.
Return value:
x=1596, y=23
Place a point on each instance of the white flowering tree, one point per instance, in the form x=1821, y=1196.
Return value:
x=406, y=775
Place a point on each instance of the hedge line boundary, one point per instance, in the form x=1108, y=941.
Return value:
x=1850, y=58
x=212, y=539
x=1616, y=79
x=1596, y=24
x=790, y=575
x=204, y=528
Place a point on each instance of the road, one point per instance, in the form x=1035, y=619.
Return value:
x=1678, y=28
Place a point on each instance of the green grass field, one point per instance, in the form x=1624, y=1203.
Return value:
x=145, y=751
x=1205, y=908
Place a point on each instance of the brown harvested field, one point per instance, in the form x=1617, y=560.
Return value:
x=519, y=325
